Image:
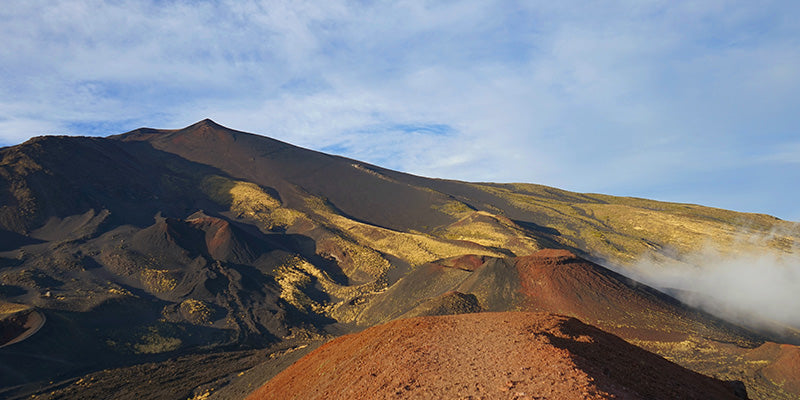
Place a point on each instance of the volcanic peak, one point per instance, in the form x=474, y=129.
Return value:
x=205, y=129
x=207, y=122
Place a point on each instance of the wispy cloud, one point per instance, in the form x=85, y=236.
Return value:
x=618, y=97
x=785, y=154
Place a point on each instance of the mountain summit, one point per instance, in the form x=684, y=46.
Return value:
x=200, y=262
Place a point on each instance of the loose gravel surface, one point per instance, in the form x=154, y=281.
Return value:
x=509, y=355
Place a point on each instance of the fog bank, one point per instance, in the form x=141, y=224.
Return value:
x=755, y=286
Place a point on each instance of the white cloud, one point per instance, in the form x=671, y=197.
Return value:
x=784, y=153
x=755, y=286
x=23, y=129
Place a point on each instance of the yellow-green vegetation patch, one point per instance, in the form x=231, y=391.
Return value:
x=318, y=205
x=118, y=291
x=202, y=395
x=11, y=308
x=158, y=280
x=238, y=194
x=415, y=248
x=285, y=217
x=372, y=172
x=492, y=231
x=363, y=245
x=681, y=231
x=454, y=209
x=622, y=229
x=196, y=311
x=354, y=300
x=247, y=199
x=155, y=343
x=297, y=274
x=355, y=259
x=293, y=276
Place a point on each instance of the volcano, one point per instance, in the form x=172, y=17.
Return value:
x=201, y=262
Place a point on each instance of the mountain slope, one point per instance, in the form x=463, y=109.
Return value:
x=351, y=186
x=487, y=355
x=605, y=227
x=555, y=281
x=165, y=243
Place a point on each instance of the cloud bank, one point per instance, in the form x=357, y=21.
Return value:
x=755, y=287
x=677, y=101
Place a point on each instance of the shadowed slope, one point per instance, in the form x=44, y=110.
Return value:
x=353, y=187
x=489, y=355
x=58, y=178
x=116, y=286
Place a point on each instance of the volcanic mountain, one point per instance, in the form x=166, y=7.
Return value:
x=215, y=257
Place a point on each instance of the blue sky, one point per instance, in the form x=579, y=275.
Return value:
x=681, y=101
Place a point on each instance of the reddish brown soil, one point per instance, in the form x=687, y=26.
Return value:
x=469, y=262
x=218, y=234
x=558, y=281
x=509, y=355
x=783, y=367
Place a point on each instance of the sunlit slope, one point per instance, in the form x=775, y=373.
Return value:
x=514, y=217
x=620, y=229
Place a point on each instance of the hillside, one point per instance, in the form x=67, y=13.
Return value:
x=487, y=355
x=156, y=244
